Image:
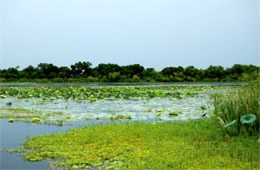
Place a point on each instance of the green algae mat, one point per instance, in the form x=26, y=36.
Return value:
x=197, y=144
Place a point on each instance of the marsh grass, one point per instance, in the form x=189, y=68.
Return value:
x=230, y=107
x=196, y=144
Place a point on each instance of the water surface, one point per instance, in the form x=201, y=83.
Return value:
x=119, y=84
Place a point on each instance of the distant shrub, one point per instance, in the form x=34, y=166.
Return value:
x=2, y=80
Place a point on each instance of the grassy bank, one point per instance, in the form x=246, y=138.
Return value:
x=193, y=144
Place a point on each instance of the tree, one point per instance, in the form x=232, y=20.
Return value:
x=214, y=72
x=114, y=77
x=29, y=72
x=10, y=73
x=64, y=72
x=48, y=71
x=81, y=69
x=131, y=70
x=190, y=73
x=105, y=69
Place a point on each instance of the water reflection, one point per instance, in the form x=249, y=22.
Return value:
x=12, y=135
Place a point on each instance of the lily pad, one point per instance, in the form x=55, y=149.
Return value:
x=118, y=117
x=36, y=120
x=247, y=119
x=173, y=114
x=9, y=104
x=203, y=107
x=11, y=120
x=158, y=114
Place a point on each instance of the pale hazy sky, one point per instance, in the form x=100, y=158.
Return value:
x=153, y=33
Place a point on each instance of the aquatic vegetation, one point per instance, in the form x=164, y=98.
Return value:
x=142, y=103
x=247, y=122
x=119, y=117
x=248, y=119
x=149, y=109
x=133, y=145
x=111, y=117
x=175, y=113
x=100, y=93
x=68, y=117
x=159, y=114
x=20, y=108
x=238, y=109
x=146, y=146
x=9, y=104
x=36, y=120
x=203, y=107
x=11, y=120
x=31, y=115
x=59, y=122
x=229, y=124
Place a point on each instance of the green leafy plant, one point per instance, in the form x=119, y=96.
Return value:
x=36, y=120
x=11, y=120
x=9, y=104
x=175, y=113
x=248, y=119
x=119, y=117
x=203, y=107
x=238, y=110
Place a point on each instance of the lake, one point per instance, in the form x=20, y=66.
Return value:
x=192, y=103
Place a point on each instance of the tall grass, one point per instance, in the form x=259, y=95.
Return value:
x=230, y=107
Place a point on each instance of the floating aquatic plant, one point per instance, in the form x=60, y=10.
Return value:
x=159, y=114
x=9, y=104
x=248, y=119
x=118, y=117
x=149, y=109
x=203, y=107
x=175, y=113
x=68, y=117
x=31, y=115
x=11, y=120
x=96, y=93
x=36, y=120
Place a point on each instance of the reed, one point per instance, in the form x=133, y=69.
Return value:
x=238, y=111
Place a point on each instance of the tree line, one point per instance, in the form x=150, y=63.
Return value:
x=84, y=72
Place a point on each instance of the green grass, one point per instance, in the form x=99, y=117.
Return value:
x=195, y=144
x=231, y=107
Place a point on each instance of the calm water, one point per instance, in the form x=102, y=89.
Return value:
x=118, y=84
x=14, y=134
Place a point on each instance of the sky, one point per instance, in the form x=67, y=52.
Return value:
x=153, y=33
